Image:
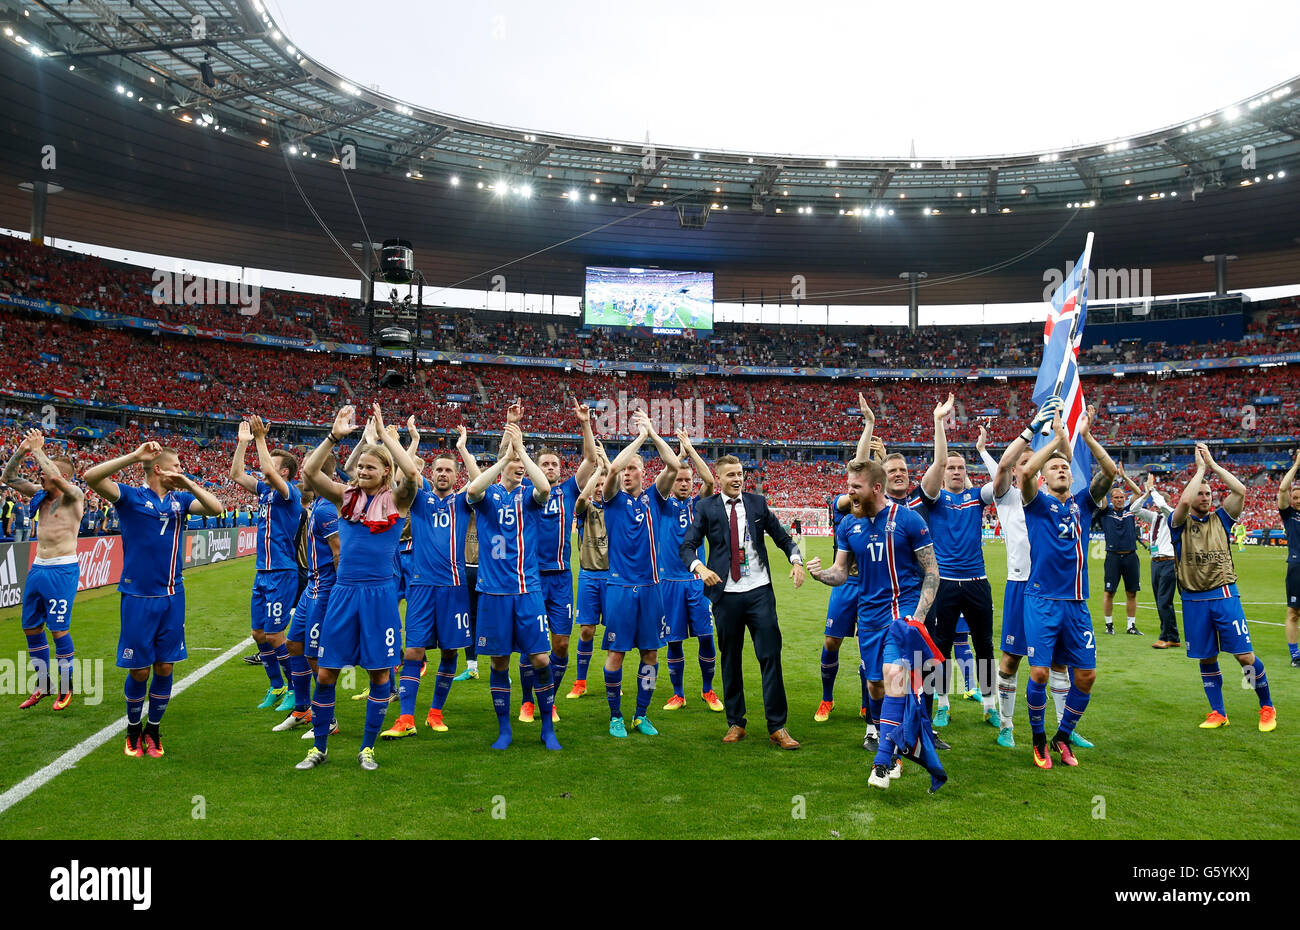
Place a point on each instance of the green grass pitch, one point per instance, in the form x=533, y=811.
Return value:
x=1153, y=774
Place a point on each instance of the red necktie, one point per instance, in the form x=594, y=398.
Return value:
x=735, y=542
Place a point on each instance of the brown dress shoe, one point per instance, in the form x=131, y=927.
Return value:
x=1160, y=644
x=734, y=735
x=783, y=739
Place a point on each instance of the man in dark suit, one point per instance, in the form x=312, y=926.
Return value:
x=738, y=582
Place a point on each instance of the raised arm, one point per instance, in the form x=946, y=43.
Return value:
x=475, y=490
x=99, y=477
x=868, y=424
x=707, y=482
x=621, y=460
x=932, y=480
x=17, y=482
x=402, y=458
x=588, y=463
x=514, y=415
x=325, y=485
x=462, y=447
x=1029, y=474
x=1235, y=502
x=237, y=472
x=672, y=464
x=1190, y=491
x=205, y=503
x=264, y=460
x=404, y=493
x=36, y=445
x=1283, y=490
x=878, y=450
x=1102, y=481
x=413, y=431
x=589, y=489
x=541, y=484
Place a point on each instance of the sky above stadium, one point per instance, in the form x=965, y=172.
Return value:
x=814, y=77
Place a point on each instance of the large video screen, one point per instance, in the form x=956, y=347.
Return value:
x=649, y=298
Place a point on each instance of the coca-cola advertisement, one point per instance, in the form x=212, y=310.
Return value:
x=99, y=559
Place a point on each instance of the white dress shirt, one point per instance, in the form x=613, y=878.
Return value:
x=1158, y=519
x=757, y=575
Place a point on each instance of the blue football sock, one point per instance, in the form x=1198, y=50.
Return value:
x=135, y=695
x=1076, y=702
x=300, y=678
x=282, y=659
x=961, y=651
x=677, y=668
x=862, y=680
x=442, y=685
x=1261, y=684
x=1212, y=682
x=891, y=715
x=160, y=692
x=526, y=680
x=645, y=687
x=613, y=687
x=585, y=649
x=322, y=713
x=545, y=692
x=1295, y=649
x=64, y=654
x=559, y=665
x=874, y=710
x=270, y=665
x=708, y=662
x=830, y=666
x=1036, y=701
x=499, y=682
x=409, y=686
x=376, y=708
x=38, y=651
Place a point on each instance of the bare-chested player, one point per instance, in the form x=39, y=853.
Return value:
x=52, y=581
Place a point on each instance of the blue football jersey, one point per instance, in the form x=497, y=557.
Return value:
x=555, y=527
x=439, y=526
x=1291, y=523
x=506, y=522
x=1119, y=527
x=366, y=557
x=676, y=516
x=633, y=546
x=322, y=523
x=1058, y=545
x=885, y=549
x=152, y=529
x=915, y=501
x=957, y=522
x=277, y=527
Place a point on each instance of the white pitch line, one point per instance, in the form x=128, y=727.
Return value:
x=78, y=752
x=1268, y=622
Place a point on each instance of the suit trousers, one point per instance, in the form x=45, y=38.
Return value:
x=754, y=611
x=1163, y=583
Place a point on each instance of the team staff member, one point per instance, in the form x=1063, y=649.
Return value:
x=1164, y=579
x=738, y=581
x=1288, y=505
x=1119, y=524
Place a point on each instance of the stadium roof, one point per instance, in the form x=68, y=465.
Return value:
x=265, y=90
